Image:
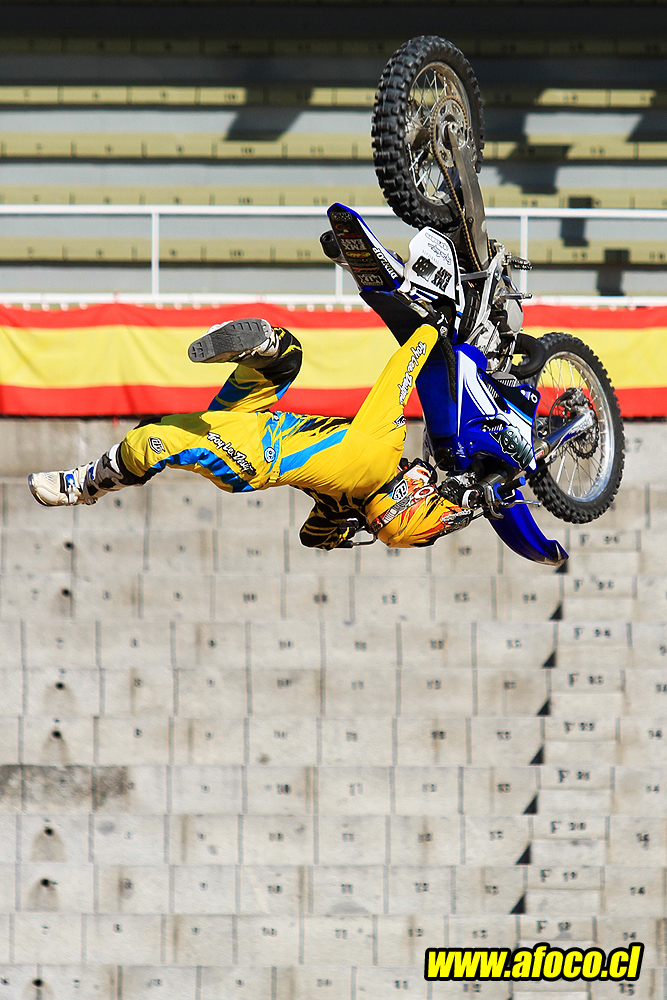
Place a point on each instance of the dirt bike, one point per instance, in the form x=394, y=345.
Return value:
x=501, y=408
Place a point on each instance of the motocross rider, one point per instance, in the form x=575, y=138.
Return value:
x=352, y=468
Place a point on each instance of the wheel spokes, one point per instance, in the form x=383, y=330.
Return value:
x=436, y=86
x=579, y=472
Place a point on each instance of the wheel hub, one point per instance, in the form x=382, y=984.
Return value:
x=436, y=105
x=566, y=407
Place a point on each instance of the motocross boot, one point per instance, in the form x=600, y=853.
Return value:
x=85, y=484
x=251, y=341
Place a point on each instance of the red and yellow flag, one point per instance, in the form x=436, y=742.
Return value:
x=120, y=359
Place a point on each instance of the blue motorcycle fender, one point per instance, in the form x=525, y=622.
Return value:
x=519, y=532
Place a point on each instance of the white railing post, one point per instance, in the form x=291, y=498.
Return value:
x=523, y=250
x=523, y=214
x=155, y=253
x=338, y=282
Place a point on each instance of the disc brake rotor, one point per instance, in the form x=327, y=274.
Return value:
x=585, y=445
x=433, y=108
x=448, y=111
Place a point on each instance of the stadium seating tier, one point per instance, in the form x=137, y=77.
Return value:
x=246, y=90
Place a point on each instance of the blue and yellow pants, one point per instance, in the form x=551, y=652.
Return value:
x=240, y=445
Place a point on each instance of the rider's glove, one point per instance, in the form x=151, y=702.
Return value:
x=346, y=531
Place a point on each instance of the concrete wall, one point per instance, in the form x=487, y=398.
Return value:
x=232, y=767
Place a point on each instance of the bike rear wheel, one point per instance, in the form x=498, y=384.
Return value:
x=426, y=85
x=580, y=481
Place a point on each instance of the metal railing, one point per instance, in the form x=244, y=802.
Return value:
x=156, y=212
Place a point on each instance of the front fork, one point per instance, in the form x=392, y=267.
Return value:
x=508, y=512
x=552, y=442
x=499, y=490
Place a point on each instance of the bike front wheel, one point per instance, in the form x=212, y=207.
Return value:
x=579, y=482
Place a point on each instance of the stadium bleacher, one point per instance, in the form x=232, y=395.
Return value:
x=233, y=111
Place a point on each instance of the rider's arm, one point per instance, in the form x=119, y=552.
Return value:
x=330, y=524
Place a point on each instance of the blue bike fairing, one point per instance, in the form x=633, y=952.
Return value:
x=473, y=352
x=433, y=380
x=519, y=532
x=437, y=404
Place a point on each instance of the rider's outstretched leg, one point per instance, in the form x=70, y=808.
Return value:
x=254, y=342
x=85, y=484
x=269, y=359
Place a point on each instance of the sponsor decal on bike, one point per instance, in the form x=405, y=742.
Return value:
x=355, y=254
x=431, y=264
x=236, y=456
x=406, y=385
x=368, y=277
x=438, y=245
x=510, y=441
x=492, y=425
x=353, y=244
x=156, y=445
x=532, y=395
x=341, y=216
x=384, y=260
x=439, y=276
